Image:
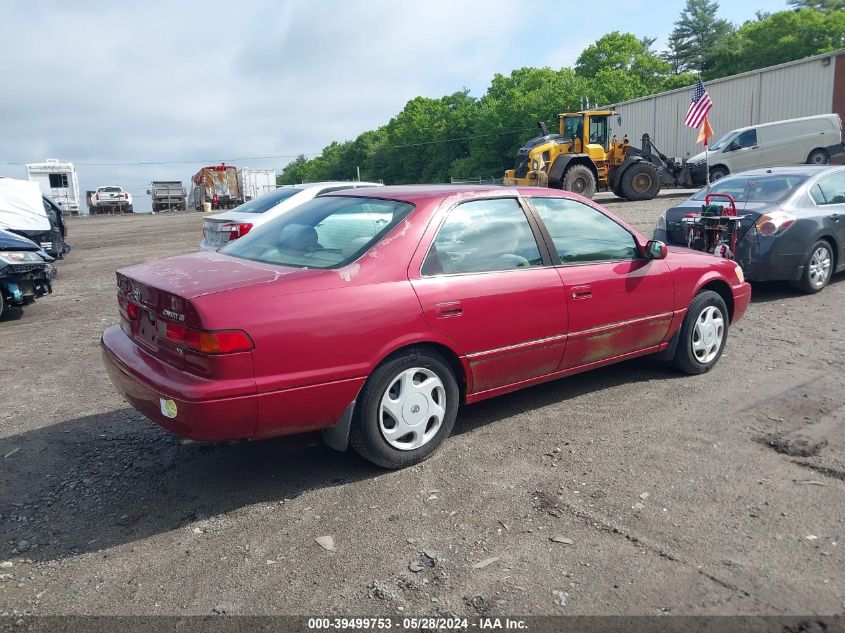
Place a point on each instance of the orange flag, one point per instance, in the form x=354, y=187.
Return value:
x=706, y=132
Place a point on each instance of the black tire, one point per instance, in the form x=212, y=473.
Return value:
x=366, y=436
x=2, y=305
x=640, y=181
x=579, y=179
x=818, y=156
x=811, y=280
x=685, y=357
x=718, y=172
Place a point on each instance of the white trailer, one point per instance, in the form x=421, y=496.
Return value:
x=256, y=182
x=58, y=181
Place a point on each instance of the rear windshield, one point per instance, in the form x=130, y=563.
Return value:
x=268, y=200
x=767, y=188
x=326, y=232
x=115, y=189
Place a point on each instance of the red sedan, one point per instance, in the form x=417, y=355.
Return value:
x=371, y=314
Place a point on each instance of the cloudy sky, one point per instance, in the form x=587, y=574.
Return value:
x=185, y=83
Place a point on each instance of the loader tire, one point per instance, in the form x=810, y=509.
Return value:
x=640, y=181
x=580, y=179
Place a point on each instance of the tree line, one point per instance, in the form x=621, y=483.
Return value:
x=463, y=137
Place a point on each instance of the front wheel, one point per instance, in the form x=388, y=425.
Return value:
x=717, y=173
x=580, y=179
x=817, y=269
x=640, y=181
x=405, y=410
x=703, y=334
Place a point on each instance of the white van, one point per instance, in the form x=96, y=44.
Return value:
x=816, y=140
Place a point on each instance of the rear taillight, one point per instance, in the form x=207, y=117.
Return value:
x=205, y=341
x=97, y=196
x=236, y=229
x=128, y=309
x=774, y=223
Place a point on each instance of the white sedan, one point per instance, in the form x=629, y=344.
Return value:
x=221, y=228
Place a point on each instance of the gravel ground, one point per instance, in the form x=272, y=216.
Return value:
x=627, y=490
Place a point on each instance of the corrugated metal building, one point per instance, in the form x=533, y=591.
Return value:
x=814, y=85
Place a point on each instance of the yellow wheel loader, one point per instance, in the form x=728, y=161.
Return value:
x=584, y=158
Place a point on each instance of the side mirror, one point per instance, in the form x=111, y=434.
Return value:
x=655, y=249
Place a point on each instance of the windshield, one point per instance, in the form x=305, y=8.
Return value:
x=723, y=140
x=326, y=232
x=767, y=188
x=268, y=200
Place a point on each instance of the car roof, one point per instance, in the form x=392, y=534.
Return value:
x=802, y=170
x=832, y=117
x=334, y=183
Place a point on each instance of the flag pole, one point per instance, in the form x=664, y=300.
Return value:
x=706, y=162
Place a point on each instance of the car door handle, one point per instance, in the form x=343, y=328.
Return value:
x=835, y=217
x=582, y=292
x=448, y=309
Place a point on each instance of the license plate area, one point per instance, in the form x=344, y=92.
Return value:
x=147, y=329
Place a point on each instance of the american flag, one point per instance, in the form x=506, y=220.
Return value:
x=698, y=107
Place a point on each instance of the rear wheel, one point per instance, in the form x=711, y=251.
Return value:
x=703, y=334
x=817, y=269
x=405, y=410
x=640, y=181
x=818, y=157
x=2, y=305
x=580, y=179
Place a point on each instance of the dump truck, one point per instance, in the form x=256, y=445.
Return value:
x=217, y=185
x=167, y=195
x=584, y=158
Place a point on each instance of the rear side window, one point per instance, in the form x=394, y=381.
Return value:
x=326, y=232
x=483, y=236
x=830, y=190
x=268, y=200
x=582, y=234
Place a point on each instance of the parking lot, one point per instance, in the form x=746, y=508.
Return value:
x=631, y=489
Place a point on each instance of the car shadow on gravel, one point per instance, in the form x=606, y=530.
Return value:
x=525, y=400
x=108, y=479
x=767, y=291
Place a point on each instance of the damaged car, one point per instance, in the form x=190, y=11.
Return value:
x=26, y=271
x=372, y=314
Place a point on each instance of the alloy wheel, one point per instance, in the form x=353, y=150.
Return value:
x=820, y=264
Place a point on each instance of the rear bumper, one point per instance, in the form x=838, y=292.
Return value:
x=836, y=153
x=204, y=418
x=197, y=413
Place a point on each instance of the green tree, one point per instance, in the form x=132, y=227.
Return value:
x=818, y=5
x=618, y=53
x=697, y=32
x=294, y=172
x=777, y=38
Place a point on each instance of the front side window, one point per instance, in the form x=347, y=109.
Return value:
x=582, y=234
x=830, y=190
x=746, y=139
x=326, y=232
x=483, y=236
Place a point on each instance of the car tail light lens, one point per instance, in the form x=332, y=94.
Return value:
x=774, y=223
x=127, y=309
x=236, y=229
x=205, y=341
